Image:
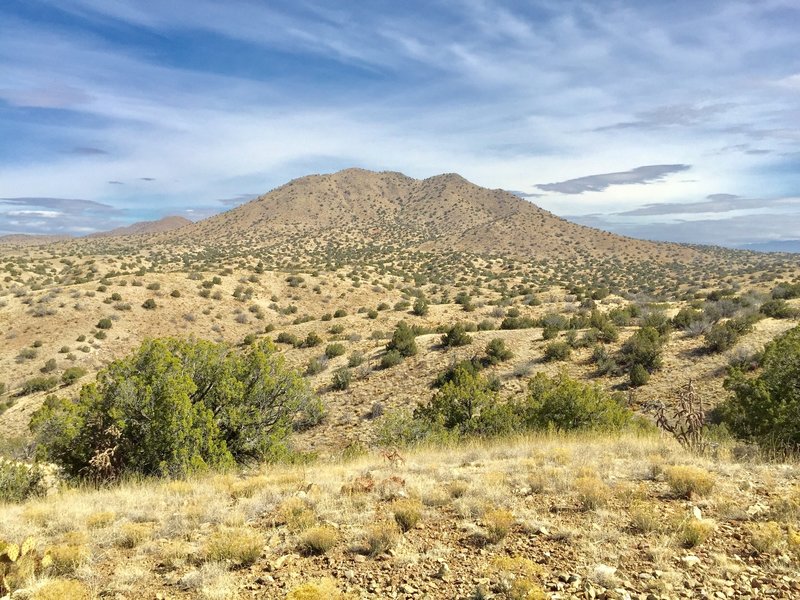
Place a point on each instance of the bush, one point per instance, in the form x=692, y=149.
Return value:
x=334, y=350
x=318, y=540
x=407, y=513
x=49, y=366
x=149, y=304
x=380, y=538
x=19, y=481
x=390, y=359
x=403, y=340
x=459, y=401
x=639, y=376
x=643, y=348
x=567, y=404
x=285, y=337
x=340, y=312
x=498, y=524
x=764, y=409
x=497, y=352
x=778, y=309
x=342, y=378
x=456, y=336
x=38, y=384
x=317, y=365
x=104, y=323
x=356, y=359
x=174, y=407
x=721, y=337
x=72, y=374
x=420, y=307
x=312, y=340
x=557, y=351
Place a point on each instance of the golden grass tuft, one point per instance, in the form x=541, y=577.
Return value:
x=131, y=535
x=381, y=537
x=66, y=558
x=644, y=518
x=592, y=492
x=61, y=589
x=693, y=532
x=407, y=513
x=687, y=481
x=322, y=589
x=318, y=540
x=100, y=519
x=766, y=538
x=498, y=523
x=296, y=514
x=240, y=546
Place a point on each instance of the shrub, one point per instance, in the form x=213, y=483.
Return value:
x=557, y=351
x=693, y=532
x=149, y=304
x=174, y=407
x=459, y=401
x=19, y=481
x=721, y=337
x=340, y=312
x=49, y=366
x=778, y=309
x=132, y=534
x=334, y=350
x=104, y=323
x=567, y=404
x=312, y=340
x=356, y=359
x=764, y=409
x=318, y=540
x=403, y=340
x=317, y=365
x=639, y=376
x=497, y=352
x=175, y=293
x=420, y=307
x=285, y=337
x=238, y=545
x=456, y=336
x=38, y=384
x=342, y=378
x=66, y=558
x=643, y=348
x=390, y=359
x=72, y=374
x=27, y=354
x=686, y=481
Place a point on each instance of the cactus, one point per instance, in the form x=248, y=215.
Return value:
x=19, y=564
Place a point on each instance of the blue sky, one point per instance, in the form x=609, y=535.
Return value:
x=668, y=119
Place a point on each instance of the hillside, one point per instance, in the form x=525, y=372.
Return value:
x=441, y=213
x=144, y=227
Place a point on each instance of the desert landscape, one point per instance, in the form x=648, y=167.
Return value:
x=387, y=307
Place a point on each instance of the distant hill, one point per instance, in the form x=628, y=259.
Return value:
x=144, y=227
x=24, y=239
x=355, y=207
x=777, y=246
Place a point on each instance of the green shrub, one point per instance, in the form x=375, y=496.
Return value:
x=764, y=409
x=420, y=307
x=341, y=378
x=285, y=337
x=497, y=352
x=403, y=340
x=643, y=348
x=72, y=374
x=340, y=312
x=557, y=350
x=391, y=358
x=778, y=309
x=174, y=407
x=334, y=350
x=639, y=376
x=317, y=365
x=49, y=366
x=456, y=336
x=721, y=337
x=38, y=384
x=312, y=340
x=567, y=404
x=149, y=304
x=104, y=323
x=457, y=404
x=356, y=359
x=19, y=481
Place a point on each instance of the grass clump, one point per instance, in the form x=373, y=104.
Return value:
x=407, y=513
x=693, y=532
x=66, y=558
x=61, y=589
x=380, y=537
x=239, y=546
x=498, y=524
x=767, y=537
x=644, y=518
x=686, y=481
x=100, y=519
x=592, y=492
x=318, y=540
x=322, y=589
x=133, y=534
x=296, y=514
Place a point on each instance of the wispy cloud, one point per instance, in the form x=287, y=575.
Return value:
x=598, y=183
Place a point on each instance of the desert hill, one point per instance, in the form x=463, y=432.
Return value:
x=145, y=227
x=26, y=239
x=441, y=213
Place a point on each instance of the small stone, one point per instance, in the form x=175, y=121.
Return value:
x=690, y=560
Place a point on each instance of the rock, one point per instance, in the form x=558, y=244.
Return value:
x=690, y=561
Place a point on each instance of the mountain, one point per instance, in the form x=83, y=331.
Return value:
x=356, y=207
x=145, y=227
x=25, y=239
x=776, y=246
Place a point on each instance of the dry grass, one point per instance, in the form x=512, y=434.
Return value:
x=687, y=481
x=235, y=545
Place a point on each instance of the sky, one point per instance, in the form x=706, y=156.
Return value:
x=668, y=119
